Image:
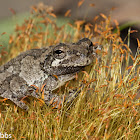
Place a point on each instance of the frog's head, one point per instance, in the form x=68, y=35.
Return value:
x=70, y=58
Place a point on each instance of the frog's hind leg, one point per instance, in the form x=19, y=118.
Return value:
x=14, y=89
x=18, y=102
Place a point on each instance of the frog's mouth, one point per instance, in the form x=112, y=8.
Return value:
x=68, y=70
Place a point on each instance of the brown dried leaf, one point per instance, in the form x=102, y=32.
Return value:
x=87, y=28
x=34, y=8
x=3, y=33
x=12, y=11
x=132, y=80
x=138, y=43
x=95, y=18
x=11, y=39
x=40, y=100
x=67, y=13
x=80, y=3
x=103, y=16
x=95, y=28
x=87, y=75
x=55, y=76
x=116, y=23
x=113, y=8
x=2, y=100
x=79, y=23
x=91, y=4
x=133, y=31
x=52, y=14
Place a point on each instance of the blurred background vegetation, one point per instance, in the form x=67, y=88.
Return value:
x=126, y=13
x=7, y=26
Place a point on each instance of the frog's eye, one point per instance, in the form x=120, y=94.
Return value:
x=58, y=52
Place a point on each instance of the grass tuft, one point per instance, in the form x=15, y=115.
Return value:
x=106, y=107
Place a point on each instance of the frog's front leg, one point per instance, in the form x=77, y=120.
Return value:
x=50, y=98
x=50, y=84
x=56, y=101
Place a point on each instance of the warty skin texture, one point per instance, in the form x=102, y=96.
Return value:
x=38, y=67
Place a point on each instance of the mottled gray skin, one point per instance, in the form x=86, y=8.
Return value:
x=37, y=67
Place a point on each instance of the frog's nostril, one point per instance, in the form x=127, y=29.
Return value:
x=91, y=44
